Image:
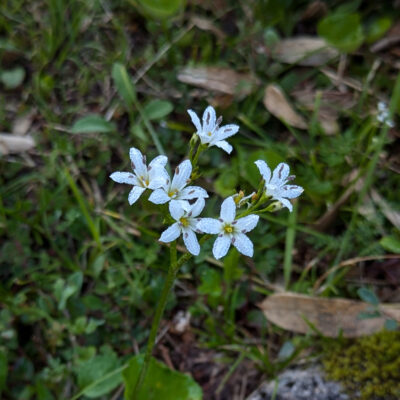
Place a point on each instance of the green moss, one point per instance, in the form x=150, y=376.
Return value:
x=369, y=365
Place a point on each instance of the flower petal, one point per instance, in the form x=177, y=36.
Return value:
x=291, y=191
x=124, y=177
x=243, y=244
x=281, y=172
x=170, y=233
x=246, y=224
x=197, y=207
x=228, y=209
x=192, y=192
x=264, y=170
x=221, y=246
x=224, y=145
x=286, y=203
x=159, y=197
x=138, y=162
x=182, y=175
x=191, y=242
x=209, y=225
x=226, y=131
x=176, y=210
x=159, y=175
x=195, y=119
x=135, y=193
x=209, y=119
x=158, y=161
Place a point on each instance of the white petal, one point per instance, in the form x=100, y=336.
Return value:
x=228, y=209
x=191, y=243
x=197, y=207
x=246, y=224
x=124, y=177
x=281, y=172
x=224, y=145
x=221, y=246
x=209, y=225
x=138, y=161
x=286, y=203
x=243, y=244
x=209, y=119
x=195, y=119
x=159, y=197
x=158, y=174
x=182, y=175
x=176, y=210
x=170, y=234
x=226, y=131
x=158, y=161
x=264, y=170
x=192, y=192
x=291, y=191
x=135, y=193
x=183, y=204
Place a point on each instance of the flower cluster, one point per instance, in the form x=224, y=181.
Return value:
x=186, y=202
x=383, y=115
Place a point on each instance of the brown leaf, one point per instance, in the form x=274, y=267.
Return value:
x=222, y=80
x=306, y=51
x=15, y=144
x=330, y=316
x=207, y=25
x=277, y=104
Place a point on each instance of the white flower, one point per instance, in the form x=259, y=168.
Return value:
x=229, y=230
x=143, y=177
x=185, y=217
x=276, y=187
x=177, y=190
x=383, y=115
x=210, y=132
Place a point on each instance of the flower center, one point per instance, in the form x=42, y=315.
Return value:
x=144, y=181
x=184, y=221
x=228, y=228
x=172, y=193
x=209, y=133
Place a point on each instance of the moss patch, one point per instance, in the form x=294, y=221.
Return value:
x=369, y=365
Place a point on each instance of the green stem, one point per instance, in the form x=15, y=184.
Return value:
x=172, y=270
x=200, y=149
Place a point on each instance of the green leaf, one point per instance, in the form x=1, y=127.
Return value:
x=12, y=78
x=368, y=296
x=124, y=84
x=226, y=183
x=390, y=243
x=343, y=31
x=160, y=382
x=158, y=109
x=210, y=282
x=377, y=28
x=160, y=9
x=3, y=370
x=92, y=124
x=94, y=370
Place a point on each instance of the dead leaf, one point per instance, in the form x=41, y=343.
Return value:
x=331, y=103
x=15, y=144
x=336, y=79
x=217, y=79
x=22, y=124
x=305, y=51
x=276, y=103
x=330, y=316
x=392, y=215
x=206, y=25
x=316, y=9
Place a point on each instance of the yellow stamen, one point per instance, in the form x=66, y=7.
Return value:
x=228, y=229
x=184, y=221
x=172, y=193
x=209, y=133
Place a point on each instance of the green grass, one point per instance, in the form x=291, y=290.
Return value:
x=81, y=270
